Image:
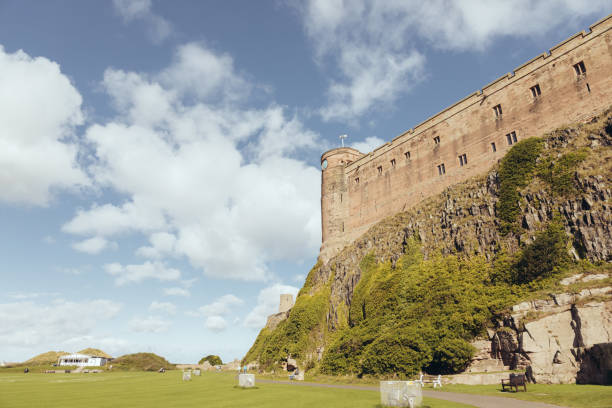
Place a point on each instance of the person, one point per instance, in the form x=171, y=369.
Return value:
x=26, y=370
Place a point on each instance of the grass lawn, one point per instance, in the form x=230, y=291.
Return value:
x=568, y=395
x=149, y=389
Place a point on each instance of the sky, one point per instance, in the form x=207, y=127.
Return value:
x=159, y=160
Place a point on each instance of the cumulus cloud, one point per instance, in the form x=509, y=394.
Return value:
x=370, y=143
x=176, y=291
x=29, y=324
x=163, y=307
x=221, y=306
x=371, y=47
x=267, y=304
x=149, y=324
x=216, y=323
x=130, y=10
x=37, y=156
x=138, y=272
x=205, y=178
x=217, y=311
x=93, y=245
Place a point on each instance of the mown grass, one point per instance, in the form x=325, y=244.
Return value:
x=567, y=395
x=147, y=389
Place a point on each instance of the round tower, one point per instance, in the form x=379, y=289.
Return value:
x=334, y=197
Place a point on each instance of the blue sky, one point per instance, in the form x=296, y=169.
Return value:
x=159, y=161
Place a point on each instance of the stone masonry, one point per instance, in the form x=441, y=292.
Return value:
x=569, y=84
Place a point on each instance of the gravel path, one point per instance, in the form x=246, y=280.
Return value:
x=481, y=401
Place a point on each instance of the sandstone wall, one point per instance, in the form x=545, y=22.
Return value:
x=403, y=172
x=565, y=339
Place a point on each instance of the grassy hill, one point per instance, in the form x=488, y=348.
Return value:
x=141, y=362
x=94, y=352
x=48, y=358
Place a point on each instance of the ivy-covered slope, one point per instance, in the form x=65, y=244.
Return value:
x=412, y=292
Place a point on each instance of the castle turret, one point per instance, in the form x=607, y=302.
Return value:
x=334, y=199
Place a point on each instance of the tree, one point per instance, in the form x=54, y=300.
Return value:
x=212, y=360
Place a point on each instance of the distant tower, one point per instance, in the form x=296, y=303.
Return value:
x=286, y=302
x=334, y=196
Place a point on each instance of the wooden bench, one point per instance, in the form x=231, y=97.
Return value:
x=515, y=380
x=430, y=379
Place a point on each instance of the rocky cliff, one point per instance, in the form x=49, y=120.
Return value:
x=503, y=236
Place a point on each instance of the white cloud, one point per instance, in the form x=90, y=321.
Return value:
x=371, y=47
x=204, y=178
x=130, y=10
x=162, y=243
x=139, y=272
x=267, y=303
x=216, y=323
x=149, y=324
x=29, y=324
x=93, y=245
x=221, y=306
x=176, y=291
x=370, y=143
x=40, y=109
x=164, y=307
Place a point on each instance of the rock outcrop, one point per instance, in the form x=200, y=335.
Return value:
x=565, y=339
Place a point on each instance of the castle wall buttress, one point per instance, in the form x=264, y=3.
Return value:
x=572, y=82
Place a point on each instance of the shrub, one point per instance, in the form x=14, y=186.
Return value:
x=545, y=256
x=452, y=355
x=212, y=359
x=559, y=174
x=403, y=352
x=515, y=171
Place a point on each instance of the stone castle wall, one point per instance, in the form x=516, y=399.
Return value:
x=358, y=190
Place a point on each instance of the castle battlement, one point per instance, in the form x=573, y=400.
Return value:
x=569, y=83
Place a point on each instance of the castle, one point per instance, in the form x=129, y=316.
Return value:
x=570, y=83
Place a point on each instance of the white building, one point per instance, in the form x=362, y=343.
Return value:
x=82, y=360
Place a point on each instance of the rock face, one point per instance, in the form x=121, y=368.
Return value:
x=570, y=342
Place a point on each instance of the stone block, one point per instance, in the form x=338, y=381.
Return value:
x=186, y=375
x=246, y=380
x=400, y=394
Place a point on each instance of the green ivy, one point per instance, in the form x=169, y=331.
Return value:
x=515, y=170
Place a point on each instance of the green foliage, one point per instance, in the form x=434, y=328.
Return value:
x=292, y=336
x=419, y=315
x=452, y=355
x=212, y=359
x=545, y=256
x=559, y=173
x=515, y=170
x=403, y=352
x=141, y=362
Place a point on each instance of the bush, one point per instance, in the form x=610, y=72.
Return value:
x=212, y=359
x=452, y=355
x=545, y=256
x=559, y=174
x=403, y=353
x=515, y=171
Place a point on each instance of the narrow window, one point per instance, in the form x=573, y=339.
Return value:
x=342, y=226
x=463, y=160
x=441, y=169
x=493, y=147
x=407, y=154
x=340, y=197
x=588, y=88
x=379, y=169
x=579, y=68
x=392, y=162
x=356, y=180
x=535, y=91
x=498, y=111
x=436, y=140
x=511, y=138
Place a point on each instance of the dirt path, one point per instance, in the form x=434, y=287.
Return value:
x=481, y=401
